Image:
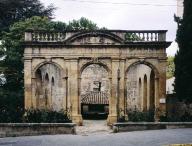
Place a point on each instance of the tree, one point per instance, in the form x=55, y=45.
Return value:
x=16, y=10
x=183, y=63
x=170, y=67
x=82, y=24
x=11, y=93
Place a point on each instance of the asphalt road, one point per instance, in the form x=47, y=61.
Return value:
x=137, y=138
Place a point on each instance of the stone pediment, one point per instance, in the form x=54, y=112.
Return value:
x=94, y=38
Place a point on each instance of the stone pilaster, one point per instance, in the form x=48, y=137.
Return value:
x=112, y=117
x=75, y=100
x=28, y=83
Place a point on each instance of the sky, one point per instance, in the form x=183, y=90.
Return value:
x=122, y=14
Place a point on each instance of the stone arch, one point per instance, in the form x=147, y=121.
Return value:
x=104, y=34
x=51, y=93
x=47, y=62
x=145, y=63
x=99, y=63
x=152, y=91
x=94, y=89
x=145, y=93
x=145, y=80
x=140, y=91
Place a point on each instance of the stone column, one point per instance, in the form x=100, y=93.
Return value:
x=148, y=91
x=28, y=83
x=73, y=88
x=156, y=92
x=33, y=96
x=122, y=88
x=162, y=87
x=112, y=117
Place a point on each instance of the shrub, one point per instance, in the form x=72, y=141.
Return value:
x=186, y=117
x=46, y=116
x=10, y=115
x=137, y=116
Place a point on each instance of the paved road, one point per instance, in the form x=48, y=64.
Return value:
x=137, y=138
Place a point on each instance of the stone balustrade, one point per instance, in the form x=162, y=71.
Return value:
x=125, y=36
x=145, y=36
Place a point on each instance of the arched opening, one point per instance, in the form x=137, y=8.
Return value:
x=46, y=79
x=50, y=90
x=39, y=90
x=152, y=91
x=145, y=93
x=140, y=92
x=140, y=87
x=95, y=88
x=52, y=81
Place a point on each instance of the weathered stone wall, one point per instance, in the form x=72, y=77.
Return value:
x=29, y=129
x=50, y=91
x=91, y=76
x=134, y=92
x=140, y=126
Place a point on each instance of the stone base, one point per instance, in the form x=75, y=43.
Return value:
x=111, y=119
x=77, y=119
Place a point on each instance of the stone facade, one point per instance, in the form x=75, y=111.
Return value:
x=128, y=66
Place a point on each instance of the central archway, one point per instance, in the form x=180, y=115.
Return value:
x=95, y=91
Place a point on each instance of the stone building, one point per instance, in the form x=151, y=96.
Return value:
x=110, y=71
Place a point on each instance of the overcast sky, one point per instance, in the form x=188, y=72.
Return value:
x=122, y=14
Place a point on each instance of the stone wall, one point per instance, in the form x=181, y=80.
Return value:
x=140, y=126
x=29, y=129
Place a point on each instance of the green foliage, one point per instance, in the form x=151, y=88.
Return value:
x=137, y=116
x=46, y=116
x=183, y=63
x=82, y=24
x=16, y=10
x=184, y=118
x=11, y=106
x=132, y=37
x=12, y=65
x=13, y=50
x=170, y=67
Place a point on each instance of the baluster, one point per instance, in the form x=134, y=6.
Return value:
x=156, y=36
x=46, y=37
x=54, y=37
x=151, y=36
x=147, y=36
x=139, y=35
x=38, y=37
x=58, y=36
x=143, y=36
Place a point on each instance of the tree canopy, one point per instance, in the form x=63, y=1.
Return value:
x=183, y=63
x=16, y=10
